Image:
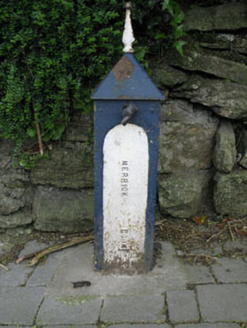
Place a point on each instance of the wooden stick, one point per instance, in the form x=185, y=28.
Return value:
x=4, y=267
x=230, y=230
x=38, y=131
x=216, y=234
x=39, y=139
x=159, y=222
x=39, y=256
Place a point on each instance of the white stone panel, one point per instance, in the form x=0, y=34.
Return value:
x=125, y=185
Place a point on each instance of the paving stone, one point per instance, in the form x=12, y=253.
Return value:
x=182, y=306
x=209, y=325
x=139, y=326
x=77, y=265
x=198, y=274
x=68, y=326
x=133, y=309
x=239, y=244
x=223, y=302
x=44, y=273
x=230, y=270
x=19, y=305
x=69, y=311
x=31, y=247
x=16, y=276
x=13, y=327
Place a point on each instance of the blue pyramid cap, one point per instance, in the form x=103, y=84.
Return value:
x=127, y=80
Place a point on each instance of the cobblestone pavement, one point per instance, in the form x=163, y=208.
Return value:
x=172, y=295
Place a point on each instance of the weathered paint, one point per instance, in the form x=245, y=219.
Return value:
x=107, y=116
x=126, y=82
x=134, y=85
x=125, y=180
x=128, y=36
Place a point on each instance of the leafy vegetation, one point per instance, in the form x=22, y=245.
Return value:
x=54, y=52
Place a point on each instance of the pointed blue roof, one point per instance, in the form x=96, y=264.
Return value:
x=127, y=80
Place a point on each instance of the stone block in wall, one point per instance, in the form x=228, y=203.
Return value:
x=243, y=161
x=230, y=193
x=186, y=137
x=16, y=198
x=166, y=76
x=221, y=41
x=6, y=147
x=240, y=44
x=80, y=128
x=63, y=210
x=199, y=62
x=242, y=149
x=224, y=157
x=184, y=194
x=69, y=166
x=227, y=99
x=13, y=199
x=15, y=178
x=232, y=16
x=13, y=220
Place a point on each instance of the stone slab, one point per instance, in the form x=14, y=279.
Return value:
x=77, y=265
x=182, y=306
x=230, y=193
x=68, y=166
x=139, y=326
x=209, y=325
x=63, y=210
x=44, y=273
x=224, y=156
x=193, y=128
x=66, y=326
x=236, y=246
x=203, y=62
x=198, y=274
x=19, y=306
x=230, y=270
x=231, y=16
x=227, y=99
x=133, y=308
x=31, y=247
x=223, y=302
x=184, y=195
x=69, y=311
x=16, y=276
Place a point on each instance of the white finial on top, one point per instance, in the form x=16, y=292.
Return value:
x=128, y=36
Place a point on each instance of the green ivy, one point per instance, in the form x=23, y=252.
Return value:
x=54, y=52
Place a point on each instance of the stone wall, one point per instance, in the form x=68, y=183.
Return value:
x=203, y=138
x=203, y=141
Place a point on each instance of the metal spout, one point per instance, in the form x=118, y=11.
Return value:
x=127, y=112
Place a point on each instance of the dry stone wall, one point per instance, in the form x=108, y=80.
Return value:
x=203, y=138
x=203, y=146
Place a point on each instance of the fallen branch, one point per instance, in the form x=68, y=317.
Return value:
x=159, y=222
x=230, y=230
x=216, y=234
x=4, y=267
x=41, y=150
x=54, y=248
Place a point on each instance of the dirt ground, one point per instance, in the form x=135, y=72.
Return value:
x=197, y=240
x=203, y=240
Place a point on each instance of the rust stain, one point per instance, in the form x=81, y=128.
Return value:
x=123, y=69
x=124, y=97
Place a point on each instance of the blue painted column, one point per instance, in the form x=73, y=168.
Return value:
x=124, y=233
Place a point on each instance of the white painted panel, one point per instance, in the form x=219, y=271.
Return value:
x=125, y=185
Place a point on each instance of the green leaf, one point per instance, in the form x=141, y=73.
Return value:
x=179, y=46
x=31, y=132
